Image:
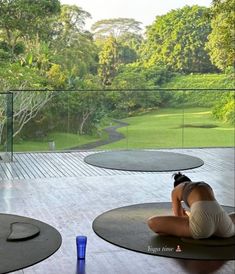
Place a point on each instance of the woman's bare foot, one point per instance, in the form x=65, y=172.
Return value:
x=187, y=212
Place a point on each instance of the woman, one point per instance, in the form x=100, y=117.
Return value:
x=206, y=218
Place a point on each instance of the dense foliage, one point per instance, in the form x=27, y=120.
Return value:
x=177, y=40
x=221, y=44
x=222, y=102
x=44, y=45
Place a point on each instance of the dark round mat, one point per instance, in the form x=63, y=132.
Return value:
x=142, y=160
x=127, y=227
x=18, y=254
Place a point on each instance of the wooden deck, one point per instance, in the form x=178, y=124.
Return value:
x=71, y=164
x=62, y=190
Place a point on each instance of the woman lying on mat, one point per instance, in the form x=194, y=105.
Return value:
x=206, y=217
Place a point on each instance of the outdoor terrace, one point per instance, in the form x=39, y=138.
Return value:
x=63, y=191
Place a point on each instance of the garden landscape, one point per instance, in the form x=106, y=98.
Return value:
x=117, y=136
x=69, y=84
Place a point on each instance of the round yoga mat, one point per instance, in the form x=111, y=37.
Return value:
x=142, y=160
x=25, y=242
x=127, y=227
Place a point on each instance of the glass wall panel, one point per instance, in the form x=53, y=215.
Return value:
x=32, y=120
x=6, y=127
x=151, y=121
x=122, y=119
x=208, y=118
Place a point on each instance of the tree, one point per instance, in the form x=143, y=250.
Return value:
x=221, y=44
x=25, y=19
x=74, y=48
x=177, y=40
x=24, y=24
x=115, y=27
x=78, y=111
x=26, y=103
x=57, y=57
x=108, y=60
x=3, y=100
x=118, y=40
x=135, y=76
x=129, y=45
x=73, y=18
x=224, y=109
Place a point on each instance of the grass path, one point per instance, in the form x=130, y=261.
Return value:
x=111, y=132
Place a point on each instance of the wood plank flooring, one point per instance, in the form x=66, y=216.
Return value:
x=60, y=189
x=71, y=164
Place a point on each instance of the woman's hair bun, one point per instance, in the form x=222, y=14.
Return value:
x=180, y=178
x=177, y=175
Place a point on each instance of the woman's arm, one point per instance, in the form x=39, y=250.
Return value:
x=176, y=195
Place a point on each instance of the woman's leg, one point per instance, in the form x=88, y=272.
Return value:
x=171, y=225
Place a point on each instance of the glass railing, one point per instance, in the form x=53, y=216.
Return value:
x=122, y=119
x=6, y=127
x=208, y=119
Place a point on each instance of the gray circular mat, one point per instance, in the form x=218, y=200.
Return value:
x=127, y=227
x=18, y=254
x=142, y=160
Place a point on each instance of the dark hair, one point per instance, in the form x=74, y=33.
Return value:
x=179, y=178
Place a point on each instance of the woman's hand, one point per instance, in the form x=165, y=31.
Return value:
x=181, y=212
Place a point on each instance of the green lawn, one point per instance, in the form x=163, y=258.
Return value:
x=163, y=128
x=158, y=129
x=62, y=141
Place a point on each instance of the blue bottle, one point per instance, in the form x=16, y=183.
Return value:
x=81, y=247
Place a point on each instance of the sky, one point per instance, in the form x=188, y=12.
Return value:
x=143, y=11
